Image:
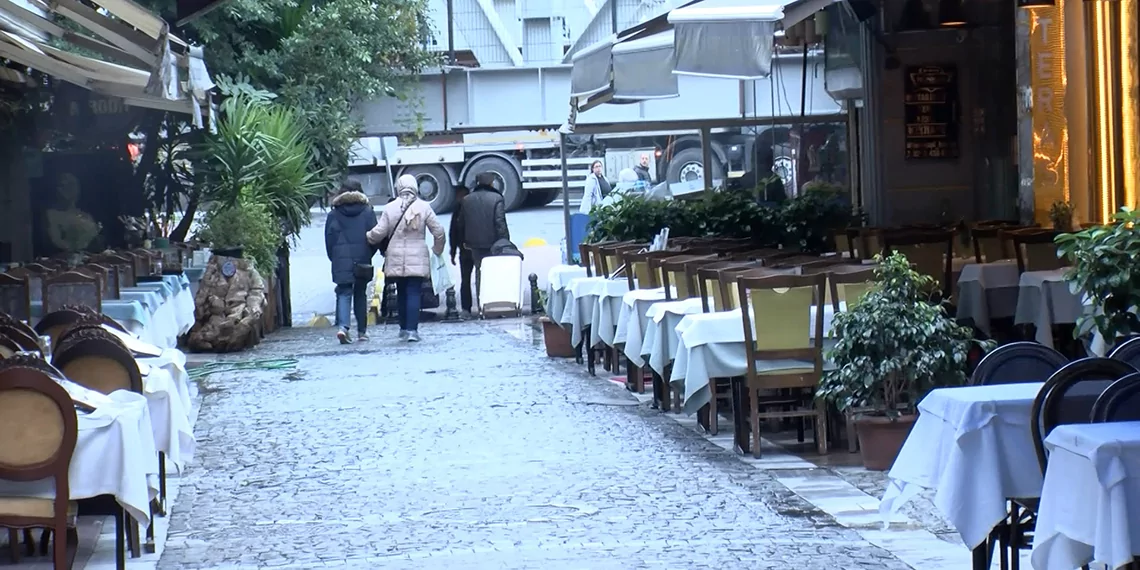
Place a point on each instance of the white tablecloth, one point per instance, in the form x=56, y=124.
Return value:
x=631, y=316
x=987, y=290
x=1090, y=502
x=660, y=341
x=974, y=447
x=603, y=322
x=170, y=416
x=712, y=346
x=557, y=292
x=114, y=455
x=1044, y=299
x=584, y=293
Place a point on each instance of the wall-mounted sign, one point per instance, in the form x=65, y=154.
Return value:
x=931, y=99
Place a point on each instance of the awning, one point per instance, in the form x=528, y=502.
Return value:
x=593, y=69
x=733, y=39
x=643, y=68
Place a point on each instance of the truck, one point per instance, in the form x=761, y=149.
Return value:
x=499, y=104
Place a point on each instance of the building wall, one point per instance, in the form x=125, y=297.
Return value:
x=15, y=203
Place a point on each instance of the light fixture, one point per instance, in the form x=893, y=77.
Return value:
x=1036, y=3
x=950, y=14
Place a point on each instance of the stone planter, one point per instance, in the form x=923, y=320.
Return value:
x=556, y=338
x=881, y=438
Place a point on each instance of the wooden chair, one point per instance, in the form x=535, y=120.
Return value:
x=708, y=278
x=34, y=279
x=675, y=274
x=847, y=285
x=16, y=297
x=72, y=288
x=931, y=253
x=785, y=354
x=112, y=284
x=55, y=323
x=609, y=257
x=40, y=426
x=100, y=273
x=639, y=273
x=6, y=321
x=988, y=243
x=124, y=268
x=1035, y=250
x=25, y=342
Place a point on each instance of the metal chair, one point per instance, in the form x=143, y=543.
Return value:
x=1120, y=402
x=1018, y=362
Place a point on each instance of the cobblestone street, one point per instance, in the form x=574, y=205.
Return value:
x=471, y=450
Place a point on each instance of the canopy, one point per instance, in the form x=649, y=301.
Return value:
x=643, y=68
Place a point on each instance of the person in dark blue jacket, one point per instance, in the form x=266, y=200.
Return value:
x=351, y=256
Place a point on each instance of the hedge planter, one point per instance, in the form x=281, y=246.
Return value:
x=557, y=339
x=881, y=438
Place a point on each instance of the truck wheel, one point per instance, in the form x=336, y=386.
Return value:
x=435, y=186
x=686, y=166
x=541, y=197
x=506, y=179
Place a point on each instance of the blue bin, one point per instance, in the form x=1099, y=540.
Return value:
x=578, y=225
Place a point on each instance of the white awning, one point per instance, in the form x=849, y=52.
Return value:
x=593, y=69
x=643, y=68
x=733, y=39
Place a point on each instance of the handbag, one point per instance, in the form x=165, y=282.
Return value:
x=382, y=247
x=363, y=271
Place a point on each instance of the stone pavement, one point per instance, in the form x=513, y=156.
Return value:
x=472, y=450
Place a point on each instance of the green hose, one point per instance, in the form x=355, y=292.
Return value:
x=268, y=364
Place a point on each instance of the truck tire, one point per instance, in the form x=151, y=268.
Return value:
x=541, y=197
x=686, y=165
x=507, y=179
x=435, y=186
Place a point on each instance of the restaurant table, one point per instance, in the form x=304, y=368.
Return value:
x=170, y=416
x=131, y=314
x=660, y=341
x=712, y=346
x=558, y=293
x=632, y=320
x=1090, y=502
x=607, y=309
x=114, y=455
x=973, y=446
x=584, y=293
x=996, y=290
x=1045, y=299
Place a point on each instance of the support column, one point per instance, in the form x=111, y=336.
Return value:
x=706, y=157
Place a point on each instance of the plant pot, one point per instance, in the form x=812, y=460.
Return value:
x=557, y=339
x=880, y=439
x=229, y=252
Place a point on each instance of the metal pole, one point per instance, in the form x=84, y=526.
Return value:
x=450, y=32
x=706, y=157
x=613, y=15
x=566, y=197
x=388, y=169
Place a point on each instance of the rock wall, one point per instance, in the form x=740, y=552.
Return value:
x=227, y=310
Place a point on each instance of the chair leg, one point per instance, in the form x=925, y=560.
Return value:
x=821, y=428
x=713, y=426
x=29, y=543
x=135, y=537
x=59, y=547
x=755, y=405
x=161, y=484
x=739, y=416
x=14, y=545
x=852, y=436
x=120, y=539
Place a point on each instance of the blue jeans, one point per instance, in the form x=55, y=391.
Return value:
x=351, y=296
x=408, y=296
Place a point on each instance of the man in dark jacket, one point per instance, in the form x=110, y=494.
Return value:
x=482, y=220
x=351, y=255
x=466, y=262
x=642, y=170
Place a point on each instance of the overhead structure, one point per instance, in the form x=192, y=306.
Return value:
x=164, y=72
x=730, y=39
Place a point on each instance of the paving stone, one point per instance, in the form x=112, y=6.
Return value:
x=471, y=450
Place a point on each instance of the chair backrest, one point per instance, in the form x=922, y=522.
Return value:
x=39, y=424
x=124, y=268
x=111, y=280
x=1018, y=362
x=1120, y=402
x=22, y=326
x=783, y=304
x=35, y=281
x=848, y=284
x=16, y=296
x=1128, y=351
x=9, y=347
x=609, y=257
x=639, y=273
x=96, y=359
x=930, y=252
x=1035, y=249
x=72, y=288
x=709, y=285
x=55, y=323
x=679, y=271
x=1069, y=394
x=19, y=335
x=988, y=245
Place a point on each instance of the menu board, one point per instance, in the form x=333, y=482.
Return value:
x=931, y=111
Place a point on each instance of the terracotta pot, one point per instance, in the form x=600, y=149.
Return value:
x=557, y=339
x=880, y=439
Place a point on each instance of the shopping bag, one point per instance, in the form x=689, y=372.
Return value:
x=440, y=277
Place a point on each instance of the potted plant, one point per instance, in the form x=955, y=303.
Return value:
x=1061, y=214
x=244, y=230
x=1104, y=269
x=892, y=347
x=556, y=338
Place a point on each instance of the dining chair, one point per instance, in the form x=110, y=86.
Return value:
x=102, y=274
x=848, y=284
x=23, y=327
x=708, y=279
x=1035, y=249
x=1120, y=402
x=609, y=257
x=39, y=421
x=931, y=253
x=72, y=288
x=1128, y=351
x=1018, y=362
x=26, y=342
x=112, y=280
x=638, y=273
x=675, y=274
x=988, y=244
x=34, y=279
x=785, y=354
x=16, y=296
x=55, y=323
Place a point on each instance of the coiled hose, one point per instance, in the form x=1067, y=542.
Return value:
x=267, y=364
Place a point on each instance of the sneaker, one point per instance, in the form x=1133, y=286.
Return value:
x=403, y=335
x=362, y=337
x=342, y=336
x=413, y=336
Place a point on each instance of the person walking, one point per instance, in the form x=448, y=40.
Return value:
x=642, y=170
x=482, y=221
x=406, y=260
x=466, y=263
x=597, y=187
x=351, y=256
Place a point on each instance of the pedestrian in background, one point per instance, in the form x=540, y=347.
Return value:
x=596, y=188
x=466, y=262
x=351, y=257
x=642, y=170
x=482, y=221
x=406, y=260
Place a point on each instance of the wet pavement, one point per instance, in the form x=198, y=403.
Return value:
x=471, y=450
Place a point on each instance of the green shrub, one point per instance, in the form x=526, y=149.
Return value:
x=247, y=224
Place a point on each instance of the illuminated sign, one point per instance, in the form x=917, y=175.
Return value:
x=1050, y=127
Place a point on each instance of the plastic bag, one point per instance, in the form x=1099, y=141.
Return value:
x=440, y=276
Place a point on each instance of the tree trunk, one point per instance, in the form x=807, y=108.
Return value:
x=183, y=227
